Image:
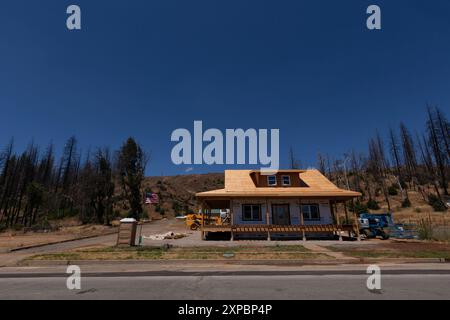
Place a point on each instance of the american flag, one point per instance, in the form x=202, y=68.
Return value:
x=151, y=198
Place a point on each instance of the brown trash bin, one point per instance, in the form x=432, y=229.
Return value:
x=127, y=232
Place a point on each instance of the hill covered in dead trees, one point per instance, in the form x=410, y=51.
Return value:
x=400, y=171
x=36, y=187
x=177, y=193
x=398, y=163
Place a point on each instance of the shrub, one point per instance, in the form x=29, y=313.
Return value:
x=177, y=208
x=406, y=203
x=378, y=192
x=372, y=204
x=392, y=191
x=18, y=227
x=42, y=225
x=403, y=184
x=358, y=207
x=436, y=203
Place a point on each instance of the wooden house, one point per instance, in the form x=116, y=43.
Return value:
x=288, y=204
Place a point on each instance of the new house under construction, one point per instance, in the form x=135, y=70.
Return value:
x=288, y=204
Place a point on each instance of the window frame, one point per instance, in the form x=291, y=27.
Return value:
x=268, y=180
x=289, y=180
x=309, y=216
x=252, y=205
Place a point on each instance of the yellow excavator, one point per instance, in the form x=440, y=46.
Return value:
x=195, y=220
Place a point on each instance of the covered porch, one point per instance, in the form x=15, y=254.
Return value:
x=343, y=223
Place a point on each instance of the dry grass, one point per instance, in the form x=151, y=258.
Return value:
x=397, y=249
x=195, y=253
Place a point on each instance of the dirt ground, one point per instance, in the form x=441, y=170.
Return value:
x=17, y=239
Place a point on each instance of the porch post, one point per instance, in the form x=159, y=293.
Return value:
x=231, y=219
x=333, y=209
x=302, y=219
x=203, y=221
x=268, y=220
x=333, y=214
x=355, y=221
x=346, y=211
x=346, y=217
x=338, y=221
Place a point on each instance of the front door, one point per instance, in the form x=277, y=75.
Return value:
x=280, y=214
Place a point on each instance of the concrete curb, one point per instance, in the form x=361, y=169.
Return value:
x=58, y=242
x=46, y=263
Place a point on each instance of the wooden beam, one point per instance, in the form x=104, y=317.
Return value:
x=203, y=220
x=231, y=218
x=338, y=222
x=355, y=221
x=346, y=212
x=333, y=214
x=268, y=219
x=302, y=219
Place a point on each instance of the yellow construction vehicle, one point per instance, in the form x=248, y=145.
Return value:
x=195, y=220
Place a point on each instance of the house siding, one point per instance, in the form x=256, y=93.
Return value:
x=294, y=209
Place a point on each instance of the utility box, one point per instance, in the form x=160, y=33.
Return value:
x=127, y=232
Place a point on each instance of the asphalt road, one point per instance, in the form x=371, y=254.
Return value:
x=269, y=286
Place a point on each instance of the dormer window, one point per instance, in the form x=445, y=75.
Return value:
x=272, y=180
x=286, y=180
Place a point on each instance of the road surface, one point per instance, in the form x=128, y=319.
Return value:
x=408, y=284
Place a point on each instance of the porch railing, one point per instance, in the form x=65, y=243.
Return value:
x=263, y=228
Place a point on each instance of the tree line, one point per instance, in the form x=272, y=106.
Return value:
x=396, y=163
x=36, y=186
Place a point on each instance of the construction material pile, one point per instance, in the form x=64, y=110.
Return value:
x=165, y=236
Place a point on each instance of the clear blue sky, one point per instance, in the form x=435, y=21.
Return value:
x=144, y=68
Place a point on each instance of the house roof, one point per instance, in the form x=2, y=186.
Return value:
x=239, y=183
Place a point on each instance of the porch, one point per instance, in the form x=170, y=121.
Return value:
x=335, y=226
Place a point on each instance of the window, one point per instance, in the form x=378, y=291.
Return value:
x=272, y=180
x=311, y=212
x=251, y=212
x=286, y=180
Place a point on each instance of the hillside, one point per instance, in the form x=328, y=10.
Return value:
x=177, y=193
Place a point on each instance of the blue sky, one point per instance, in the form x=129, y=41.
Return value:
x=144, y=68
